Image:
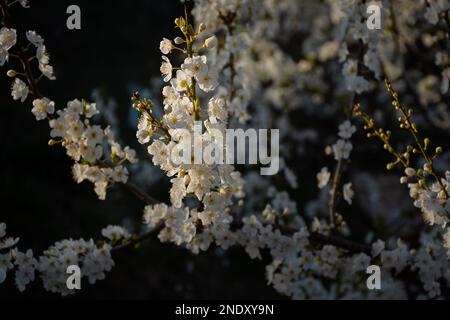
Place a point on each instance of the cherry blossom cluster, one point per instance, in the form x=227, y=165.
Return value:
x=93, y=259
x=8, y=39
x=98, y=157
x=88, y=144
x=341, y=151
x=285, y=82
x=229, y=54
x=213, y=185
x=298, y=265
x=23, y=263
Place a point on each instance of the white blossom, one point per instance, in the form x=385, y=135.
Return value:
x=342, y=149
x=347, y=192
x=34, y=38
x=211, y=42
x=19, y=90
x=323, y=177
x=166, y=46
x=43, y=107
x=8, y=38
x=166, y=69
x=115, y=233
x=346, y=130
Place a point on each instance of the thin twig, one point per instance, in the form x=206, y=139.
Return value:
x=334, y=191
x=340, y=242
x=143, y=237
x=337, y=241
x=339, y=166
x=140, y=193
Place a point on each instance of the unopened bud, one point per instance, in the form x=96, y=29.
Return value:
x=438, y=150
x=11, y=73
x=427, y=168
x=135, y=96
x=211, y=42
x=201, y=27
x=410, y=172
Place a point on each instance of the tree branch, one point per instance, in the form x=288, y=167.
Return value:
x=134, y=189
x=143, y=237
x=333, y=191
x=339, y=242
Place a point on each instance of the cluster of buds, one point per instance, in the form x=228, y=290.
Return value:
x=431, y=196
x=148, y=125
x=403, y=158
x=422, y=146
x=385, y=137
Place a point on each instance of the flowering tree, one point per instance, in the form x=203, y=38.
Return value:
x=262, y=64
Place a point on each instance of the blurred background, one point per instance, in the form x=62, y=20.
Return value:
x=116, y=52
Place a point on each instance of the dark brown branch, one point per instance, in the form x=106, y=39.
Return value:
x=143, y=237
x=337, y=172
x=140, y=194
x=336, y=241
x=342, y=243
x=334, y=191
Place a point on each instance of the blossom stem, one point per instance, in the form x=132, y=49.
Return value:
x=337, y=172
x=340, y=243
x=139, y=239
x=193, y=90
x=334, y=192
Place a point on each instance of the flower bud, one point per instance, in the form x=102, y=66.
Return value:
x=201, y=27
x=178, y=22
x=442, y=195
x=410, y=172
x=11, y=73
x=178, y=40
x=211, y=42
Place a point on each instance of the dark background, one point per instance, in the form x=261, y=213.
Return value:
x=117, y=45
